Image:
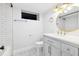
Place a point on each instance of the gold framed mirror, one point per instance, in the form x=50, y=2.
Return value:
x=68, y=19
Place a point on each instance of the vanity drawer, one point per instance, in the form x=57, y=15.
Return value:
x=69, y=49
x=52, y=41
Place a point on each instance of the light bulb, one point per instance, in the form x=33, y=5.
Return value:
x=76, y=4
x=65, y=11
x=69, y=8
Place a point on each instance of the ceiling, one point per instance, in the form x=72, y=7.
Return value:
x=35, y=7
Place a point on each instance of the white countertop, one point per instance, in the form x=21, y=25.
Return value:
x=70, y=39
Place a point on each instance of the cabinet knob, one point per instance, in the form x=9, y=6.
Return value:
x=68, y=49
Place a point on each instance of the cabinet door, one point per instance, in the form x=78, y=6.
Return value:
x=69, y=49
x=47, y=49
x=55, y=51
x=66, y=54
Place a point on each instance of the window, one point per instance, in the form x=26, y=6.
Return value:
x=30, y=16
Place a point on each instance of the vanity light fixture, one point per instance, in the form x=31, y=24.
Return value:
x=65, y=11
x=76, y=4
x=61, y=8
x=69, y=8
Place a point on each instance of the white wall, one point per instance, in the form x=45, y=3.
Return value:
x=49, y=27
x=25, y=34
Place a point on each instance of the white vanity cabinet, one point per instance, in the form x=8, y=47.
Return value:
x=51, y=47
x=55, y=51
x=47, y=51
x=56, y=47
x=68, y=50
x=50, y=50
x=66, y=54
